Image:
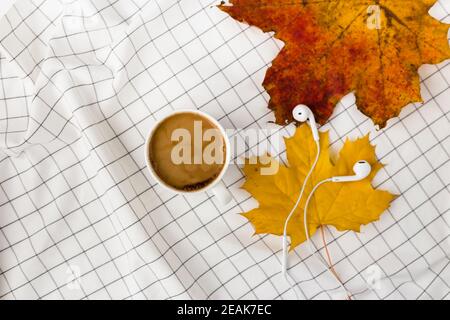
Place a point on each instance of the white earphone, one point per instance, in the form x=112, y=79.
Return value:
x=302, y=113
x=362, y=170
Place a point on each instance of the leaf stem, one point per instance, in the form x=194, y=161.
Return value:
x=330, y=262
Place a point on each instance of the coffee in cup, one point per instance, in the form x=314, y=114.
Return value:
x=187, y=151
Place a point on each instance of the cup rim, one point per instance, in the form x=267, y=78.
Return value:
x=227, y=154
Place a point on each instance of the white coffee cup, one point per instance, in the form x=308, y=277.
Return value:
x=217, y=186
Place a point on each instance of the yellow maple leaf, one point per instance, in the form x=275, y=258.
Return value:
x=346, y=206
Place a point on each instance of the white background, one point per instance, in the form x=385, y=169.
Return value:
x=5, y=5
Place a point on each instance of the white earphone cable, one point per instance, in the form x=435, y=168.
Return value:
x=285, y=272
x=308, y=240
x=302, y=113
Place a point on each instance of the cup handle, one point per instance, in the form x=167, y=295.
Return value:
x=222, y=193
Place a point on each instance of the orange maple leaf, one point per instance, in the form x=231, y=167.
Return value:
x=345, y=206
x=371, y=47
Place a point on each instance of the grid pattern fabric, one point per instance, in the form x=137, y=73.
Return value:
x=81, y=84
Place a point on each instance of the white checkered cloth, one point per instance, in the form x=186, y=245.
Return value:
x=82, y=82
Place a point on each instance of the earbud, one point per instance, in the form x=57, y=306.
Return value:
x=302, y=113
x=362, y=170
